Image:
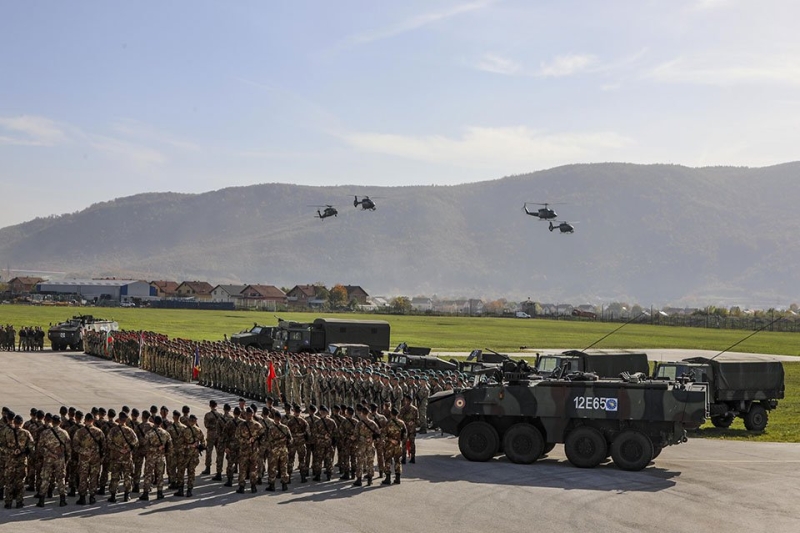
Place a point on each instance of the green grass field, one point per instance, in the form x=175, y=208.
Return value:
x=464, y=334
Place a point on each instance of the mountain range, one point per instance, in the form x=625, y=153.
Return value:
x=652, y=234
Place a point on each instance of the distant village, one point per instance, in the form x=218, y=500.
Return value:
x=112, y=292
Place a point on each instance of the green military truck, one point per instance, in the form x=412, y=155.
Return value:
x=256, y=337
x=739, y=387
x=316, y=336
x=604, y=363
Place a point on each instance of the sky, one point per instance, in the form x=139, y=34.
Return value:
x=101, y=100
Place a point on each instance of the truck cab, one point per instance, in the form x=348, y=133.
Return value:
x=353, y=351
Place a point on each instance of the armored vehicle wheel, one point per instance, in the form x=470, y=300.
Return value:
x=723, y=421
x=478, y=441
x=54, y=347
x=656, y=451
x=548, y=447
x=631, y=450
x=756, y=418
x=585, y=447
x=523, y=444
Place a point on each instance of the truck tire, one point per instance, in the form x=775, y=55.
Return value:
x=631, y=450
x=656, y=451
x=478, y=441
x=548, y=447
x=585, y=447
x=756, y=419
x=523, y=444
x=722, y=422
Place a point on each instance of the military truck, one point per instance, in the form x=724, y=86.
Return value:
x=353, y=351
x=524, y=416
x=737, y=387
x=257, y=337
x=604, y=363
x=316, y=336
x=69, y=334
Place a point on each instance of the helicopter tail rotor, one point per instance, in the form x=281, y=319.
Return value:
x=355, y=201
x=552, y=227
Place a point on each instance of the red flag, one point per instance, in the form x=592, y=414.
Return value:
x=270, y=376
x=196, y=367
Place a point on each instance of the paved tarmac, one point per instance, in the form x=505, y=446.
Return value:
x=703, y=485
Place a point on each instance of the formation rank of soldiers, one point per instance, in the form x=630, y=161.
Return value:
x=86, y=455
x=31, y=338
x=372, y=425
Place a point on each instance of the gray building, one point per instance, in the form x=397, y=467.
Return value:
x=118, y=290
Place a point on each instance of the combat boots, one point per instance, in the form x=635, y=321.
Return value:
x=2, y=493
x=180, y=491
x=345, y=477
x=135, y=489
x=50, y=492
x=71, y=492
x=357, y=482
x=240, y=490
x=159, y=495
x=270, y=487
x=328, y=476
x=63, y=501
x=303, y=478
x=284, y=486
x=253, y=489
x=206, y=472
x=112, y=498
x=126, y=496
x=413, y=458
x=229, y=482
x=145, y=496
x=403, y=460
x=40, y=503
x=397, y=479
x=188, y=493
x=369, y=482
x=388, y=480
x=20, y=505
x=217, y=477
x=316, y=477
x=92, y=499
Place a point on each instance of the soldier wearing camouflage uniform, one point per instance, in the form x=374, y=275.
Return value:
x=18, y=446
x=174, y=459
x=410, y=416
x=194, y=443
x=214, y=423
x=347, y=444
x=89, y=444
x=380, y=441
x=249, y=434
x=122, y=443
x=324, y=431
x=366, y=431
x=55, y=449
x=157, y=444
x=395, y=432
x=300, y=435
x=278, y=441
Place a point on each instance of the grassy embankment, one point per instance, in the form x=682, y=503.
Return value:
x=464, y=334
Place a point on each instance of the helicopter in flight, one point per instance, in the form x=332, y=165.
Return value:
x=542, y=213
x=329, y=211
x=365, y=203
x=563, y=227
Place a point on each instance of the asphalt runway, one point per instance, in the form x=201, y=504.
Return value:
x=703, y=485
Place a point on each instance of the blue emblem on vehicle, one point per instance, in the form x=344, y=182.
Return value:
x=611, y=404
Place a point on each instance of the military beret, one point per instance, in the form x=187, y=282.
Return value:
x=112, y=413
x=89, y=416
x=296, y=407
x=56, y=419
x=312, y=408
x=18, y=419
x=126, y=409
x=192, y=417
x=323, y=409
x=248, y=411
x=123, y=415
x=33, y=411
x=212, y=403
x=176, y=413
x=164, y=408
x=226, y=407
x=134, y=412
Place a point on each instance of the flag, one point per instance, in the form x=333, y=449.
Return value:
x=270, y=376
x=196, y=369
x=141, y=345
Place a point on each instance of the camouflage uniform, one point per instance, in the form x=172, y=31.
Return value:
x=347, y=434
x=55, y=449
x=300, y=434
x=214, y=423
x=19, y=446
x=89, y=443
x=175, y=457
x=380, y=443
x=410, y=416
x=278, y=442
x=249, y=434
x=121, y=441
x=395, y=432
x=324, y=434
x=231, y=445
x=157, y=444
x=194, y=443
x=141, y=429
x=366, y=430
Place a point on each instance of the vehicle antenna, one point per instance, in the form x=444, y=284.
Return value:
x=616, y=330
x=762, y=328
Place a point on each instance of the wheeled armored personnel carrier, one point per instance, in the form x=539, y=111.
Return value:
x=524, y=416
x=69, y=334
x=256, y=337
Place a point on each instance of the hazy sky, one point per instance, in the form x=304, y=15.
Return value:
x=100, y=100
